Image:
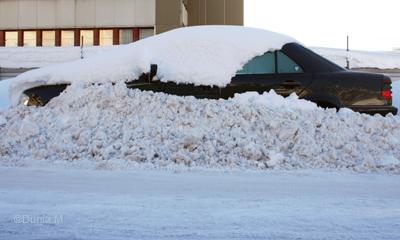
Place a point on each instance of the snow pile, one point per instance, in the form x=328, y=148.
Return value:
x=112, y=127
x=206, y=55
x=34, y=57
x=361, y=59
x=396, y=93
x=4, y=94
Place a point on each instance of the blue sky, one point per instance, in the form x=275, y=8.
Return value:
x=371, y=24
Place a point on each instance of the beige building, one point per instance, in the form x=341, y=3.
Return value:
x=106, y=22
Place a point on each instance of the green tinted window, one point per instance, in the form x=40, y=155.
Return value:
x=287, y=65
x=260, y=65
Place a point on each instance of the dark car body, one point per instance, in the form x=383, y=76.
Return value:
x=313, y=78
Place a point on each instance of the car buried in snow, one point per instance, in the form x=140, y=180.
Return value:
x=292, y=69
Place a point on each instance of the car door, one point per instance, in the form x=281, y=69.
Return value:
x=272, y=70
x=292, y=78
x=258, y=75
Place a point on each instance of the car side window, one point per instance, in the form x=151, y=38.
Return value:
x=264, y=64
x=287, y=65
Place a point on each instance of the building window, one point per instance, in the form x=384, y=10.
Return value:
x=67, y=38
x=145, y=33
x=87, y=37
x=29, y=38
x=49, y=38
x=11, y=39
x=106, y=37
x=125, y=36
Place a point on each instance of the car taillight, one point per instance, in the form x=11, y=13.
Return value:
x=387, y=94
x=386, y=91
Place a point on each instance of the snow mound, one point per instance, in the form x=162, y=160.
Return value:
x=112, y=127
x=361, y=59
x=35, y=57
x=205, y=55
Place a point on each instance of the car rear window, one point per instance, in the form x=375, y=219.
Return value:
x=287, y=65
x=269, y=63
x=263, y=64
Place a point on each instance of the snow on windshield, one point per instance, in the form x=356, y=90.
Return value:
x=205, y=55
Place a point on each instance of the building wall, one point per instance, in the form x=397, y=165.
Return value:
x=234, y=12
x=104, y=22
x=42, y=14
x=170, y=14
x=164, y=14
x=216, y=12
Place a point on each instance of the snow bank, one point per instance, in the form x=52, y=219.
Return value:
x=35, y=57
x=361, y=59
x=207, y=55
x=396, y=93
x=4, y=94
x=112, y=127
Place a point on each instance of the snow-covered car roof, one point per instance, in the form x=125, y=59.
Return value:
x=203, y=55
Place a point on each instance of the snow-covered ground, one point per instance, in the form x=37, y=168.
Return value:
x=60, y=204
x=361, y=59
x=35, y=57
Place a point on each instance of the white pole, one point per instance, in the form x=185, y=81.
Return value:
x=348, y=50
x=82, y=38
